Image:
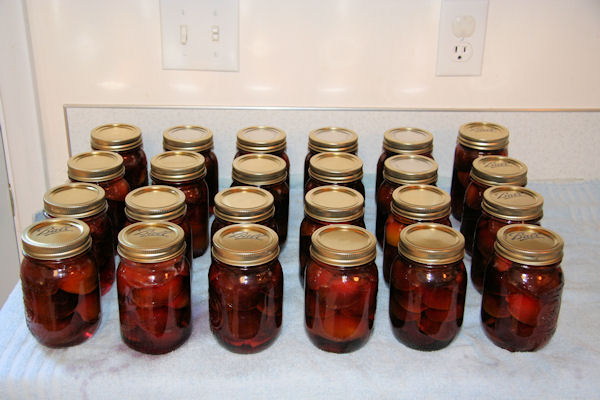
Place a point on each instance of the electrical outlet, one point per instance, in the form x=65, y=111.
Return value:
x=461, y=52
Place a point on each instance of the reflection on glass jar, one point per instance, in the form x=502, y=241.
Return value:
x=330, y=139
x=341, y=169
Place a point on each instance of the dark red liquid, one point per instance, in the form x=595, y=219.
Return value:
x=471, y=212
x=381, y=161
x=212, y=176
x=313, y=183
x=383, y=200
x=219, y=223
x=136, y=167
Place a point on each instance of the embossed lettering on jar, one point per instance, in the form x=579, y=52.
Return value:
x=343, y=169
x=263, y=140
x=330, y=139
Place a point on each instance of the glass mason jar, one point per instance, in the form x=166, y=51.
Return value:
x=522, y=288
x=398, y=171
x=327, y=205
x=343, y=169
x=341, y=288
x=185, y=170
x=153, y=287
x=428, y=285
x=501, y=206
x=245, y=288
x=403, y=141
x=59, y=278
x=412, y=204
x=200, y=140
x=330, y=139
x=267, y=172
x=105, y=169
x=487, y=171
x=474, y=139
x=86, y=202
x=126, y=140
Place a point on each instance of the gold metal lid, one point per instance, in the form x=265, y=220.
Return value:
x=431, y=244
x=407, y=169
x=333, y=139
x=75, y=200
x=261, y=139
x=155, y=203
x=499, y=170
x=334, y=167
x=513, y=203
x=259, y=169
x=95, y=166
x=188, y=138
x=483, y=136
x=177, y=166
x=408, y=141
x=343, y=245
x=420, y=202
x=334, y=204
x=244, y=204
x=529, y=244
x=116, y=137
x=56, y=239
x=151, y=242
x=245, y=245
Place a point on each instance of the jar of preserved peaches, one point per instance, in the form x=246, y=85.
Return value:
x=266, y=172
x=398, y=171
x=185, y=170
x=263, y=140
x=487, y=171
x=343, y=169
x=105, y=169
x=200, y=140
x=523, y=287
x=341, y=288
x=330, y=139
x=153, y=287
x=428, y=285
x=86, y=202
x=126, y=140
x=60, y=283
x=328, y=205
x=403, y=141
x=412, y=204
x=245, y=288
x=501, y=206
x=474, y=139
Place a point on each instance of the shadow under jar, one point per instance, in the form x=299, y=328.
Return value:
x=245, y=288
x=342, y=169
x=501, y=206
x=327, y=205
x=185, y=170
x=428, y=286
x=86, y=202
x=475, y=139
x=398, y=171
x=523, y=287
x=105, y=169
x=153, y=287
x=199, y=140
x=330, y=139
x=412, y=204
x=267, y=172
x=126, y=140
x=341, y=288
x=60, y=283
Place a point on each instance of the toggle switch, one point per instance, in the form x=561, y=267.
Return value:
x=183, y=34
x=214, y=33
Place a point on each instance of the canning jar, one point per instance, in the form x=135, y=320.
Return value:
x=412, y=204
x=343, y=169
x=86, y=202
x=126, y=140
x=474, y=139
x=327, y=205
x=185, y=170
x=200, y=140
x=428, y=285
x=245, y=288
x=487, y=171
x=153, y=287
x=263, y=140
x=60, y=283
x=398, y=171
x=522, y=288
x=501, y=206
x=340, y=288
x=266, y=172
x=330, y=139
